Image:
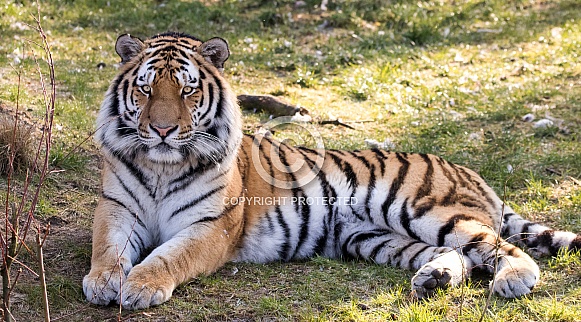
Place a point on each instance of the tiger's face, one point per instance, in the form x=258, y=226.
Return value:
x=170, y=95
x=167, y=98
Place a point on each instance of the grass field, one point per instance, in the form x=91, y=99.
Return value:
x=453, y=78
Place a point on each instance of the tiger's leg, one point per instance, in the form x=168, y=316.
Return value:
x=437, y=267
x=201, y=248
x=516, y=273
x=119, y=237
x=539, y=239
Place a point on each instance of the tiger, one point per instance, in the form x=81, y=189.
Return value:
x=182, y=187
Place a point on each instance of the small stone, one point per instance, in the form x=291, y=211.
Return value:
x=543, y=124
x=528, y=118
x=474, y=136
x=300, y=4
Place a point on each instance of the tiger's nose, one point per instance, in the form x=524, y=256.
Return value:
x=163, y=132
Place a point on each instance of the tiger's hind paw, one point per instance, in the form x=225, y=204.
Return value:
x=516, y=277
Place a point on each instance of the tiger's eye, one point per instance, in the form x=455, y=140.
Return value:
x=187, y=90
x=146, y=89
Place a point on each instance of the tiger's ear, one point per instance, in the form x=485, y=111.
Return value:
x=128, y=47
x=216, y=52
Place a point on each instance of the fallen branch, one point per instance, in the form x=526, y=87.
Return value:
x=269, y=104
x=277, y=107
x=336, y=122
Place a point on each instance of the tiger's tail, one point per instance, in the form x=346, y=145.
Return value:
x=539, y=239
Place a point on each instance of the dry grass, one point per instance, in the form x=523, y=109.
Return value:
x=17, y=139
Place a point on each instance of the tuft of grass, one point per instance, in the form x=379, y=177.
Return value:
x=16, y=140
x=565, y=260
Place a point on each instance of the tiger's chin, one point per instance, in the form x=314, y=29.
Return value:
x=163, y=153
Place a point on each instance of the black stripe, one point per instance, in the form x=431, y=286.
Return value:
x=461, y=180
x=346, y=168
x=282, y=157
x=377, y=248
x=451, y=196
x=266, y=158
x=139, y=239
x=135, y=172
x=201, y=102
x=165, y=264
x=285, y=248
x=476, y=181
x=524, y=234
x=188, y=178
x=473, y=243
x=181, y=61
x=405, y=220
x=114, y=97
x=210, y=101
x=470, y=202
x=186, y=175
x=427, y=183
x=134, y=215
x=337, y=231
x=205, y=220
x=196, y=201
x=153, y=61
x=136, y=249
x=346, y=242
x=423, y=209
x=361, y=158
x=328, y=191
x=395, y=186
x=304, y=231
x=243, y=167
x=221, y=101
x=415, y=256
x=125, y=90
x=425, y=189
x=401, y=250
x=123, y=130
x=363, y=238
x=169, y=50
x=381, y=159
x=128, y=191
x=370, y=188
x=449, y=227
x=506, y=217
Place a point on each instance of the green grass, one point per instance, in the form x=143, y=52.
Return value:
x=452, y=78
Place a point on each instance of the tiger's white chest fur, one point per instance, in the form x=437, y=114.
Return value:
x=165, y=197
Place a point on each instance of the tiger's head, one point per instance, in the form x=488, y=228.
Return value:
x=170, y=102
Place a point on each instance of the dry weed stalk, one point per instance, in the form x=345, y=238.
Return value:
x=497, y=246
x=21, y=202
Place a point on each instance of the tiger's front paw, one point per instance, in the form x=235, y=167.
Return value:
x=143, y=289
x=101, y=286
x=516, y=277
x=442, y=272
